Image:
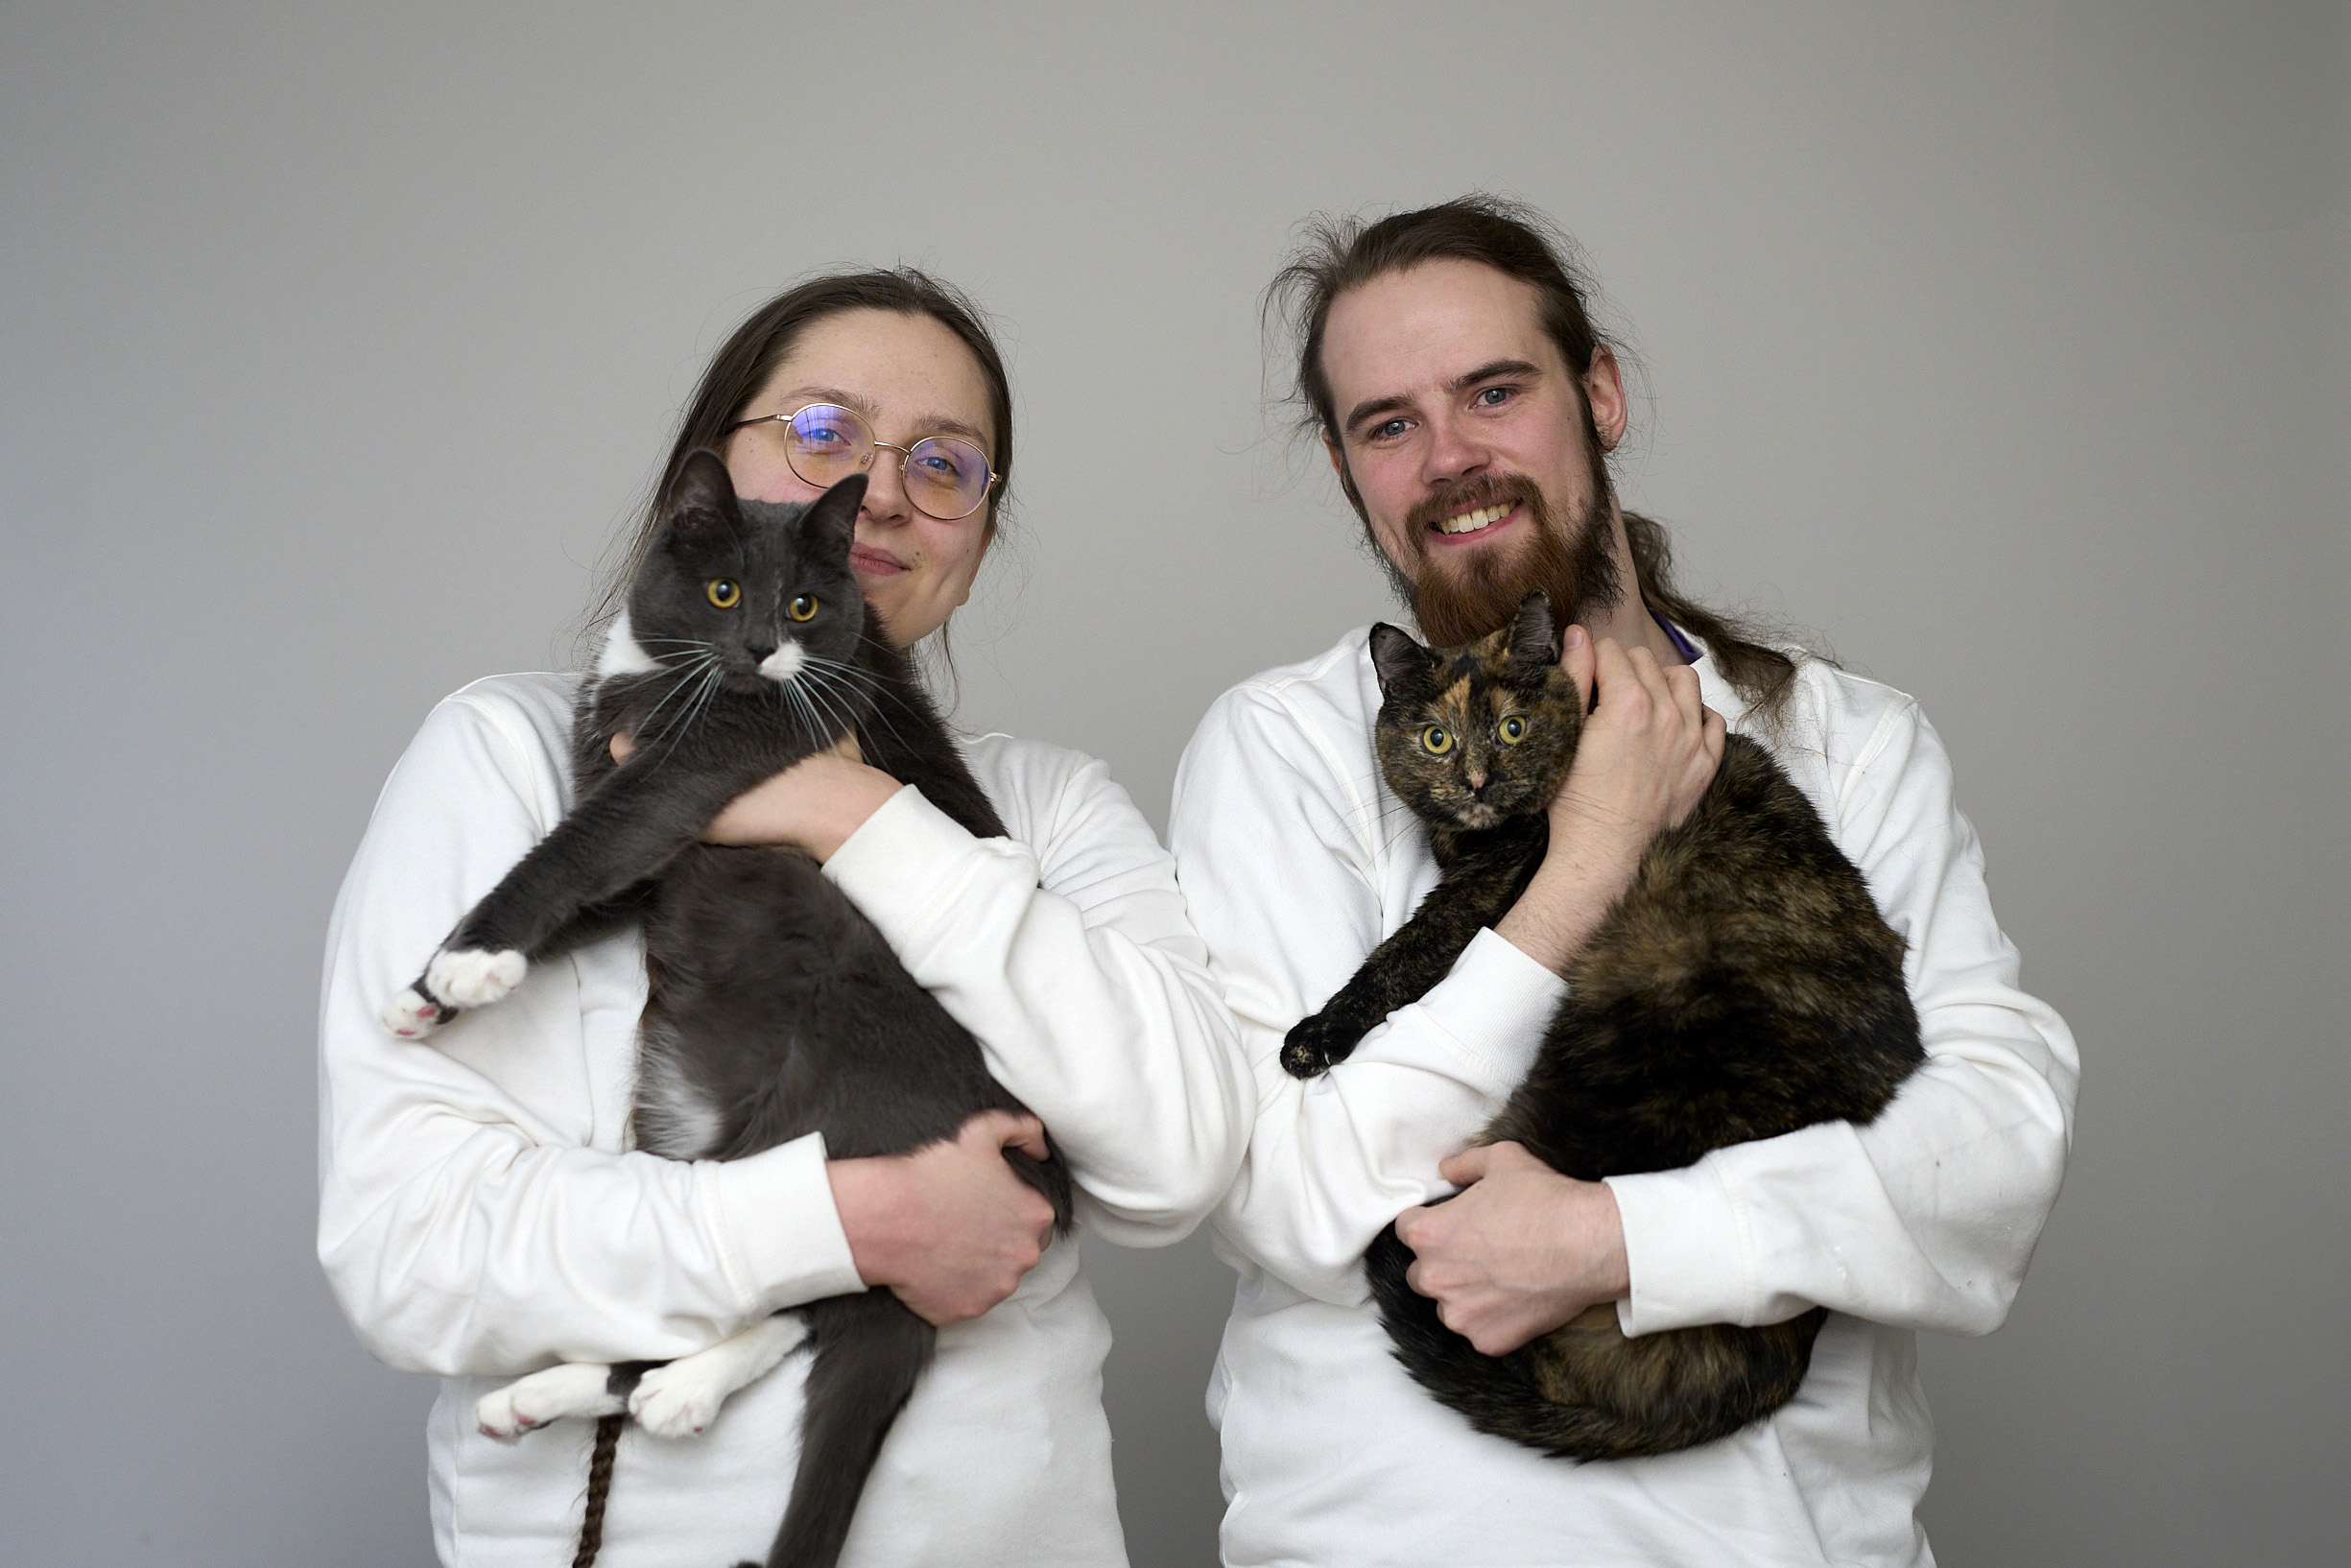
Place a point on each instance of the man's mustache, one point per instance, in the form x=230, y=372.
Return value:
x=1469, y=495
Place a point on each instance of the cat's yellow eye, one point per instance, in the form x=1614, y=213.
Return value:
x=1438, y=740
x=724, y=592
x=802, y=609
x=1513, y=730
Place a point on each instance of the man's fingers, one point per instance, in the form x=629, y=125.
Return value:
x=1651, y=676
x=1714, y=734
x=1615, y=683
x=1465, y=1167
x=1682, y=682
x=1575, y=659
x=623, y=744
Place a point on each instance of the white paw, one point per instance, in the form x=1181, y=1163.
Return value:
x=560, y=1391
x=411, y=1016
x=680, y=1400
x=474, y=978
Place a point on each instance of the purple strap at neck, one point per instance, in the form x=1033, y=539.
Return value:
x=1689, y=651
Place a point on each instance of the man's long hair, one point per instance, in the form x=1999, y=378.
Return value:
x=1337, y=255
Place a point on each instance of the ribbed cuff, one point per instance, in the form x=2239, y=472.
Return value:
x=904, y=864
x=1688, y=1248
x=1493, y=1008
x=777, y=1223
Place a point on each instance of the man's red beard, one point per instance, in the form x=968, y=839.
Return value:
x=1460, y=602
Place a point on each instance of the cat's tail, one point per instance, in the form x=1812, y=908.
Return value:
x=1584, y=1391
x=868, y=1351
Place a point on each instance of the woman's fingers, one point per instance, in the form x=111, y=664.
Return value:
x=1007, y=1130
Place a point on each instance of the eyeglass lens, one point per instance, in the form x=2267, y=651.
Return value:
x=946, y=477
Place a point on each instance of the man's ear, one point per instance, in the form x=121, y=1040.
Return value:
x=1604, y=392
x=1396, y=657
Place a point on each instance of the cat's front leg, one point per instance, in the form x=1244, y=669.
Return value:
x=1401, y=969
x=682, y=1398
x=623, y=834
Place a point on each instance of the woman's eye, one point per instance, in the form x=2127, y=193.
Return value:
x=725, y=593
x=802, y=608
x=1436, y=739
x=1513, y=730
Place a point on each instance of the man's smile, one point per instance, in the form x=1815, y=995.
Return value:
x=1482, y=520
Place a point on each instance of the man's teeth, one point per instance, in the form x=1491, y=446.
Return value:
x=1469, y=522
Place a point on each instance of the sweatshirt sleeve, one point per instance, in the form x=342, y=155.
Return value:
x=1926, y=1216
x=1279, y=846
x=1070, y=955
x=477, y=1214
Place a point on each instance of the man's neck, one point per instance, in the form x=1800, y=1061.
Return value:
x=1632, y=625
x=1628, y=621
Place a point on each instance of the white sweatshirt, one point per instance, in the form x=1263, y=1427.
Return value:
x=482, y=1213
x=1297, y=861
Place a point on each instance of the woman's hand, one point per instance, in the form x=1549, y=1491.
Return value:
x=812, y=806
x=1520, y=1252
x=1649, y=750
x=949, y=1227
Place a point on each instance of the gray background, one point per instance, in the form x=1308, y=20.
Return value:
x=2004, y=343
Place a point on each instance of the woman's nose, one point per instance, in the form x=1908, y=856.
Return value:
x=886, y=487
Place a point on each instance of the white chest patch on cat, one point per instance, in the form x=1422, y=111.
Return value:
x=622, y=656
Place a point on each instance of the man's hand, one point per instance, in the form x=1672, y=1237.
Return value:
x=1649, y=750
x=1519, y=1253
x=948, y=1227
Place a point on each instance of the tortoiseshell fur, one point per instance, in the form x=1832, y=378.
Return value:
x=1744, y=987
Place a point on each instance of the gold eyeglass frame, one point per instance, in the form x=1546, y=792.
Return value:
x=906, y=455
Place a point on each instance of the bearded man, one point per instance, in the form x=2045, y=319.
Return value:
x=1450, y=365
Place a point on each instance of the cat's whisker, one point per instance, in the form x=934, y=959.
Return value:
x=686, y=676
x=836, y=715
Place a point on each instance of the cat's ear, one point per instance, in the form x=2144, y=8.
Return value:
x=830, y=524
x=1396, y=657
x=1534, y=637
x=700, y=500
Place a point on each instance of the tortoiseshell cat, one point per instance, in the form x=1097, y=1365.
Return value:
x=774, y=1008
x=1744, y=987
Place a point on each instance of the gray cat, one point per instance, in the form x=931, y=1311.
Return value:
x=776, y=1009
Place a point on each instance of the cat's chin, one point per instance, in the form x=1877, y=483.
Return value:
x=1476, y=818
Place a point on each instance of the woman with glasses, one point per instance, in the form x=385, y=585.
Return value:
x=483, y=1214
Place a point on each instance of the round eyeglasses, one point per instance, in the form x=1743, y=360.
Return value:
x=946, y=477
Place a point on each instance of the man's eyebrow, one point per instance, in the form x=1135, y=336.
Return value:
x=1363, y=411
x=1488, y=372
x=930, y=424
x=1366, y=411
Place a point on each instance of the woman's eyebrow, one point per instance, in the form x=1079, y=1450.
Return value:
x=855, y=402
x=932, y=424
